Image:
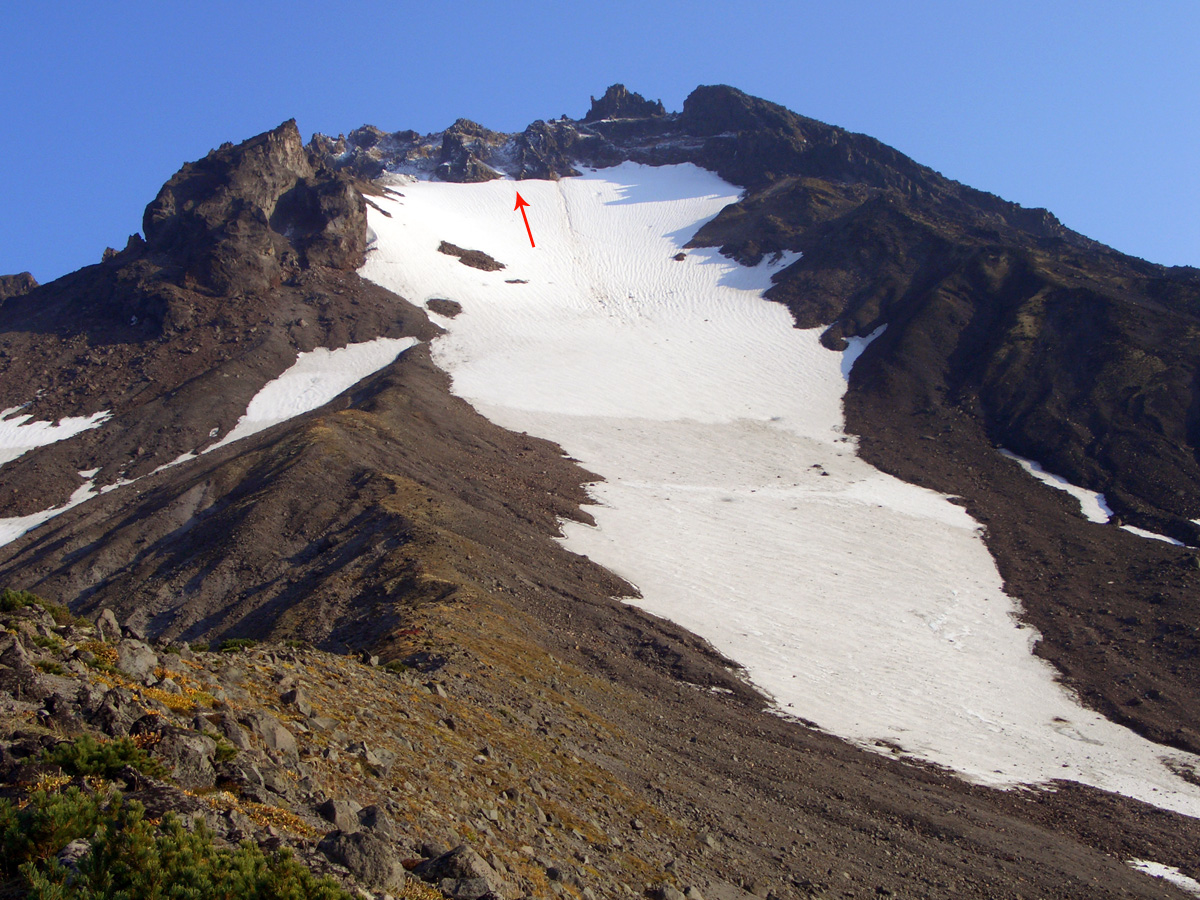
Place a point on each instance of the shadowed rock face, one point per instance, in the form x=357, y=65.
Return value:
x=243, y=218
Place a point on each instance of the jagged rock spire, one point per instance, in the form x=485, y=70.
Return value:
x=619, y=102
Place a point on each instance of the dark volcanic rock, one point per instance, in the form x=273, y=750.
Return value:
x=444, y=307
x=16, y=285
x=620, y=103
x=462, y=146
x=476, y=259
x=245, y=217
x=546, y=150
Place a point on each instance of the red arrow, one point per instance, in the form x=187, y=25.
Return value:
x=521, y=204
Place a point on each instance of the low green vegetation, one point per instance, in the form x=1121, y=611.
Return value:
x=11, y=601
x=88, y=756
x=233, y=645
x=129, y=856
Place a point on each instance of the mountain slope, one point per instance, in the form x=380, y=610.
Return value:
x=397, y=518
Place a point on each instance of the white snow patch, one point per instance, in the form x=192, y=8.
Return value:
x=732, y=496
x=854, y=349
x=18, y=435
x=1092, y=504
x=315, y=378
x=1152, y=535
x=178, y=461
x=1167, y=873
x=13, y=527
x=312, y=381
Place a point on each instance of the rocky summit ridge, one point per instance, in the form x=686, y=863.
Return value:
x=437, y=686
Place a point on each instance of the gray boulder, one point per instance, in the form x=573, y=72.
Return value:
x=462, y=872
x=136, y=659
x=17, y=675
x=109, y=627
x=370, y=858
x=273, y=734
x=375, y=820
x=190, y=755
x=297, y=698
x=343, y=815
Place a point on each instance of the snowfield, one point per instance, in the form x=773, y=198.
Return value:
x=18, y=435
x=314, y=379
x=732, y=497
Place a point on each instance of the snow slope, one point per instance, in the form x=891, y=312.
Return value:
x=732, y=498
x=315, y=378
x=18, y=435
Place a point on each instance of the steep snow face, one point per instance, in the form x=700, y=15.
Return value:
x=732, y=498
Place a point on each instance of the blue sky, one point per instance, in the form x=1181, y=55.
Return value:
x=1087, y=108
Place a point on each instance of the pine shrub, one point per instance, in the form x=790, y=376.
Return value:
x=130, y=857
x=87, y=756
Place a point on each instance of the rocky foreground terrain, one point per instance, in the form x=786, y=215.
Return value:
x=409, y=683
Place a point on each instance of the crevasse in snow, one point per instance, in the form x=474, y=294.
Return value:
x=732, y=497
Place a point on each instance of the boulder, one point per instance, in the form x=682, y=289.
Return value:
x=374, y=819
x=464, y=874
x=108, y=626
x=190, y=755
x=273, y=734
x=17, y=674
x=136, y=659
x=370, y=858
x=297, y=698
x=234, y=732
x=343, y=815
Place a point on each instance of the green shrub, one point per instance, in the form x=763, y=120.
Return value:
x=225, y=751
x=49, y=822
x=47, y=642
x=87, y=756
x=50, y=667
x=232, y=645
x=11, y=601
x=132, y=858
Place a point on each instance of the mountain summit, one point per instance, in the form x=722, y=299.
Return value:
x=327, y=398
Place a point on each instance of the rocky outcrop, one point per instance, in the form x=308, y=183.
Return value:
x=16, y=285
x=464, y=146
x=250, y=258
x=620, y=103
x=246, y=217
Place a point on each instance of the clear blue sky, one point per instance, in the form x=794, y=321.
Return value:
x=1091, y=109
